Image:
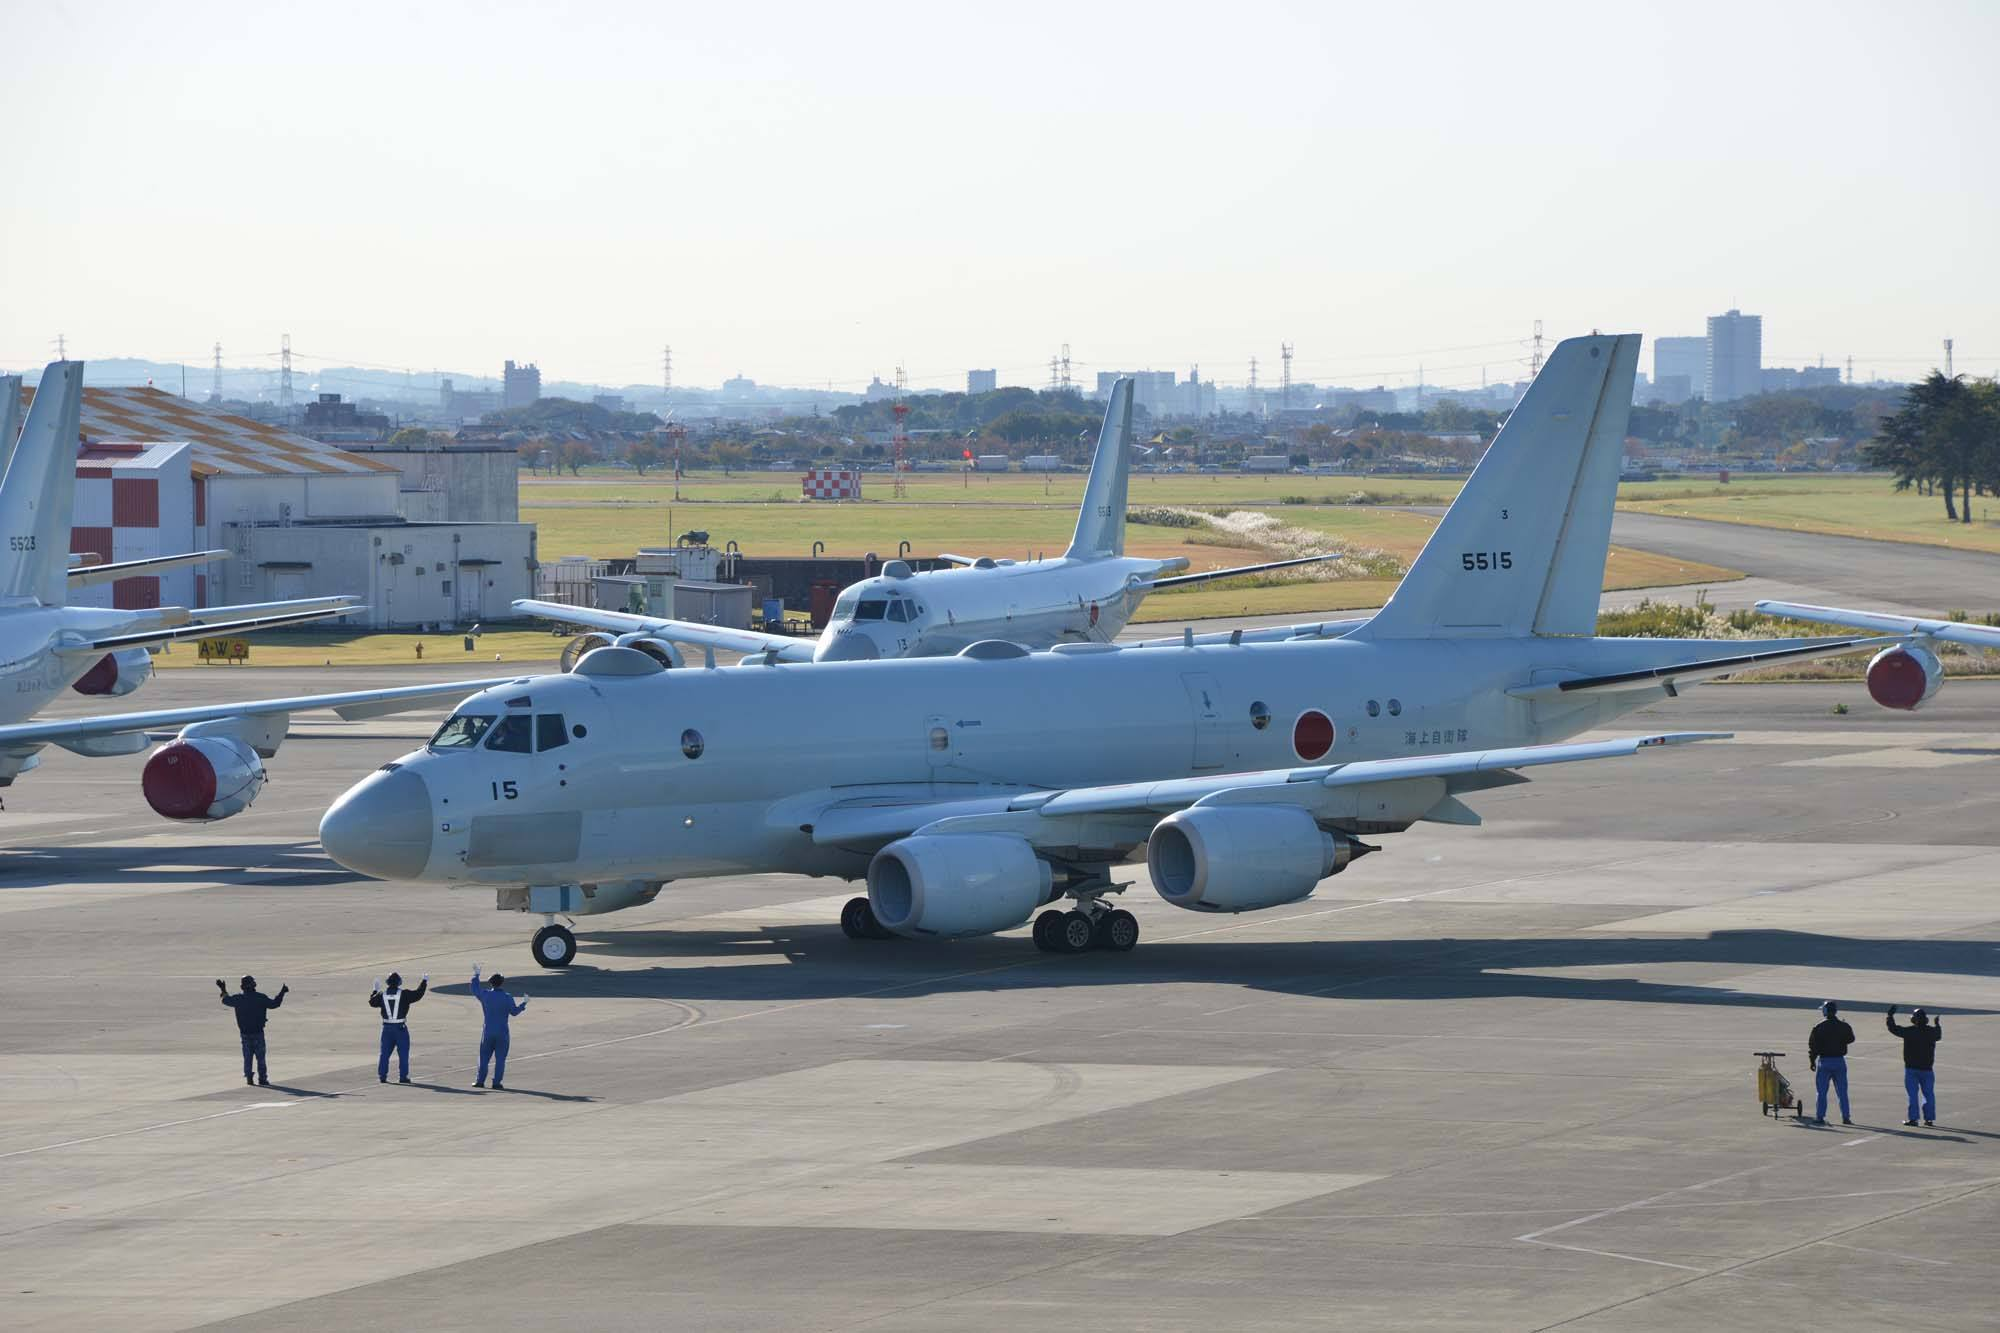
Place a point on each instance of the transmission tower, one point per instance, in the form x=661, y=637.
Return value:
x=285, y=378
x=215, y=386
x=667, y=369
x=1850, y=369
x=62, y=348
x=1055, y=373
x=1065, y=368
x=1947, y=358
x=1535, y=359
x=1285, y=377
x=901, y=409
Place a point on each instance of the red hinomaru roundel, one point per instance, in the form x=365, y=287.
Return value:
x=1312, y=734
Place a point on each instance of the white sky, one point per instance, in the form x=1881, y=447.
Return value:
x=809, y=193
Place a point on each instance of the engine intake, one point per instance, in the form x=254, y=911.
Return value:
x=117, y=673
x=957, y=883
x=1242, y=858
x=202, y=778
x=1904, y=677
x=574, y=650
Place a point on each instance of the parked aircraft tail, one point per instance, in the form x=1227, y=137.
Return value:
x=10, y=417
x=1100, y=525
x=39, y=490
x=1522, y=549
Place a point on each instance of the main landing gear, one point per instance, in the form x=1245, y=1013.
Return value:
x=553, y=945
x=1079, y=930
x=857, y=921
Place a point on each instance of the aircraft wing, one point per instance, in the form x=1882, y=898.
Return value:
x=1951, y=631
x=1118, y=817
x=957, y=559
x=353, y=706
x=145, y=638
x=784, y=647
x=85, y=576
x=1316, y=629
x=1689, y=673
x=1207, y=575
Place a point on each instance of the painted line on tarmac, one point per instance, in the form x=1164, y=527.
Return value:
x=146, y=1129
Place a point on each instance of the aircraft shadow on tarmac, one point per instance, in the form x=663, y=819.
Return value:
x=829, y=965
x=292, y=864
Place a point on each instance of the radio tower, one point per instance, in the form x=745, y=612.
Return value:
x=901, y=408
x=1285, y=377
x=1535, y=359
x=285, y=378
x=1947, y=359
x=1850, y=368
x=667, y=369
x=62, y=348
x=215, y=388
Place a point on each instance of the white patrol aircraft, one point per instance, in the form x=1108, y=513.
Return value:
x=212, y=768
x=1903, y=675
x=1084, y=596
x=974, y=791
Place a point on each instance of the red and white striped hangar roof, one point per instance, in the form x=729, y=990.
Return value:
x=223, y=444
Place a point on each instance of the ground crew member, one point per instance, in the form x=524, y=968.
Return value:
x=253, y=1004
x=499, y=1006
x=395, y=1002
x=1826, y=1054
x=1920, y=1041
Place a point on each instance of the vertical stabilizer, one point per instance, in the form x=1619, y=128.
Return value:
x=40, y=489
x=10, y=418
x=1100, y=525
x=1522, y=549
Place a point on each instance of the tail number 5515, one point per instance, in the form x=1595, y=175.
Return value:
x=1478, y=560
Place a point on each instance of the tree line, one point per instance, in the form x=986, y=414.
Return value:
x=1944, y=438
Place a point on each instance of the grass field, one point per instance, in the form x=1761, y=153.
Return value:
x=301, y=648
x=1846, y=506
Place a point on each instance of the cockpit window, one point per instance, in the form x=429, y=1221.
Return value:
x=871, y=610
x=899, y=611
x=549, y=731
x=461, y=731
x=513, y=733
x=843, y=607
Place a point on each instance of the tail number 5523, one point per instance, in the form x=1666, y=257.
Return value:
x=1478, y=560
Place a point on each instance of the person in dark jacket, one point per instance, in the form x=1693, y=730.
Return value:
x=1920, y=1041
x=498, y=1007
x=251, y=1005
x=395, y=1002
x=1826, y=1055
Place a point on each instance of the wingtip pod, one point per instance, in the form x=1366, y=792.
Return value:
x=1100, y=523
x=37, y=493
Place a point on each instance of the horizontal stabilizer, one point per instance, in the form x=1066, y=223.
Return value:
x=1950, y=631
x=146, y=638
x=1209, y=575
x=785, y=647
x=86, y=576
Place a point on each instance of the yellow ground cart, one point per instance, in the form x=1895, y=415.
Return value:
x=1774, y=1090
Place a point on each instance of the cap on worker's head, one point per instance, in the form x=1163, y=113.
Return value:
x=249, y=982
x=1830, y=1008
x=395, y=980
x=1919, y=1016
x=498, y=981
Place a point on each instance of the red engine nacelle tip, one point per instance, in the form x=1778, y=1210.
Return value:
x=202, y=777
x=117, y=673
x=1904, y=677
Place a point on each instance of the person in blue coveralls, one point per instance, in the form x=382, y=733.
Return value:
x=498, y=1007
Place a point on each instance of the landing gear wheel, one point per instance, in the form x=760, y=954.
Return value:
x=1048, y=927
x=1076, y=933
x=857, y=920
x=1117, y=930
x=554, y=946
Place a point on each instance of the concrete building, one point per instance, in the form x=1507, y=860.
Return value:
x=331, y=420
x=981, y=381
x=452, y=483
x=462, y=405
x=1681, y=358
x=1785, y=379
x=1158, y=391
x=134, y=501
x=301, y=518
x=1735, y=356
x=521, y=385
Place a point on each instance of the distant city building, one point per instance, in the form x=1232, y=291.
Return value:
x=333, y=420
x=521, y=385
x=1783, y=379
x=981, y=381
x=1684, y=359
x=1735, y=356
x=1671, y=390
x=610, y=402
x=739, y=385
x=1157, y=391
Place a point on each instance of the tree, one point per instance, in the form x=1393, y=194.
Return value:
x=731, y=455
x=530, y=452
x=644, y=454
x=1935, y=437
x=410, y=437
x=573, y=455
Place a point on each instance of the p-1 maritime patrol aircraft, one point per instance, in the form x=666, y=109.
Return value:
x=1084, y=596
x=212, y=768
x=975, y=791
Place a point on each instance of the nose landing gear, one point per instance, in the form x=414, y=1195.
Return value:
x=857, y=922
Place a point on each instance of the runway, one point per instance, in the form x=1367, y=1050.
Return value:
x=1492, y=1078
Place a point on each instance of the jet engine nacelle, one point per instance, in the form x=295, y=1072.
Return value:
x=116, y=673
x=666, y=654
x=1241, y=858
x=1904, y=677
x=574, y=650
x=957, y=883
x=202, y=777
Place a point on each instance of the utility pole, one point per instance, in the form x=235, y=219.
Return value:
x=1285, y=377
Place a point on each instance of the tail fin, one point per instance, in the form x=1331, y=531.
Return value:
x=1100, y=525
x=10, y=417
x=1522, y=549
x=39, y=490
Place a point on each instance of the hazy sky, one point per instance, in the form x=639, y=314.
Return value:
x=810, y=193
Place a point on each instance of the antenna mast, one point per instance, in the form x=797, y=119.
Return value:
x=1285, y=377
x=901, y=409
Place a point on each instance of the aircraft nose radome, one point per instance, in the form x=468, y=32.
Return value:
x=851, y=647
x=381, y=826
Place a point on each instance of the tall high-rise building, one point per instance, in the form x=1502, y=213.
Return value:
x=1681, y=359
x=981, y=381
x=1735, y=356
x=521, y=385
